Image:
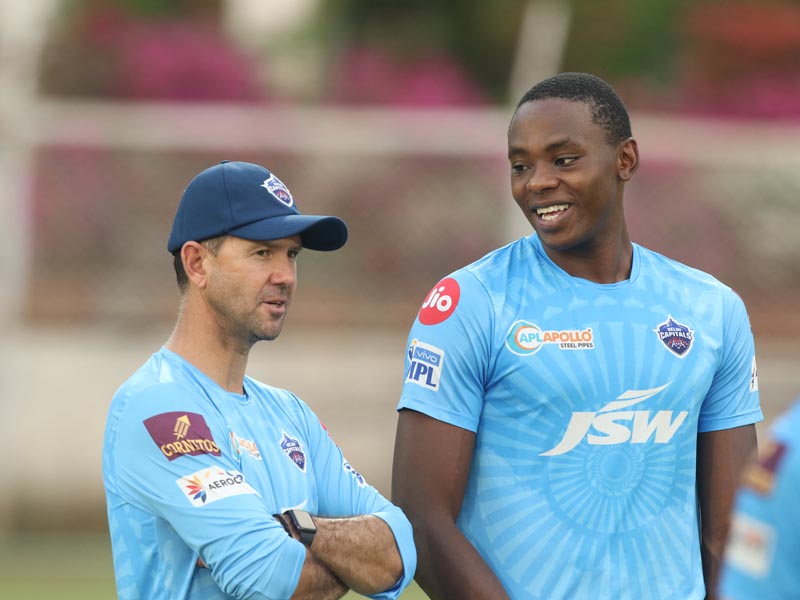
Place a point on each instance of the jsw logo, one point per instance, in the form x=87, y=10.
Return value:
x=612, y=425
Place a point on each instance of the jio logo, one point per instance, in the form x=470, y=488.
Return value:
x=440, y=302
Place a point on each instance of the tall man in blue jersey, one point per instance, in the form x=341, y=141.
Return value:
x=762, y=557
x=576, y=408
x=219, y=486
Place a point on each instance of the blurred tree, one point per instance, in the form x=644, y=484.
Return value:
x=462, y=43
x=147, y=49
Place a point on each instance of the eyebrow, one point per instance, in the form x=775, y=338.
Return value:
x=551, y=147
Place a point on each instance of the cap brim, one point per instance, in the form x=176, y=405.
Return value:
x=316, y=232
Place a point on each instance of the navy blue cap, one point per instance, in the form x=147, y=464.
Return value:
x=247, y=201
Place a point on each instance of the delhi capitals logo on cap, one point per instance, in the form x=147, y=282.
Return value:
x=677, y=338
x=294, y=450
x=275, y=187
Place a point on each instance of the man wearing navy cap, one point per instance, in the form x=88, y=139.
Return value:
x=207, y=470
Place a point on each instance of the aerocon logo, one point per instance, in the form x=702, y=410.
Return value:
x=614, y=425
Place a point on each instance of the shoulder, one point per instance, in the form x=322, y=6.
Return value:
x=695, y=283
x=277, y=398
x=154, y=384
x=655, y=262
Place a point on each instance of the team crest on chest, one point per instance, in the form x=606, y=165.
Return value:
x=294, y=450
x=678, y=338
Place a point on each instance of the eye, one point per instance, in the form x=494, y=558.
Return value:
x=294, y=253
x=518, y=169
x=262, y=252
x=563, y=161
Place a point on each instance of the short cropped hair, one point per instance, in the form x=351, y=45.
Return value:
x=212, y=245
x=607, y=108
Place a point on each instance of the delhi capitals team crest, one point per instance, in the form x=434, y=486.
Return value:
x=294, y=450
x=276, y=187
x=678, y=338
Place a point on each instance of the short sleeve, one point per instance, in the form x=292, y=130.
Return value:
x=733, y=398
x=449, y=352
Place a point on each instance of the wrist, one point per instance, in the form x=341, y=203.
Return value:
x=303, y=524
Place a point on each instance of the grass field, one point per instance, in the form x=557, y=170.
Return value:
x=74, y=567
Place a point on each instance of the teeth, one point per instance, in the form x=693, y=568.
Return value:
x=548, y=209
x=547, y=213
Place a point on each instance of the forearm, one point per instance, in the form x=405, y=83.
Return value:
x=361, y=551
x=450, y=567
x=317, y=582
x=720, y=458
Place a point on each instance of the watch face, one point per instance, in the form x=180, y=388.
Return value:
x=303, y=521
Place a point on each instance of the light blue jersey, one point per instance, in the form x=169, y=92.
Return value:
x=762, y=559
x=586, y=400
x=193, y=471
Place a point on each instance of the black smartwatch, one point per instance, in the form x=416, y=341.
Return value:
x=304, y=525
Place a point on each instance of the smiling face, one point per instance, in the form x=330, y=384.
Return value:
x=567, y=178
x=250, y=285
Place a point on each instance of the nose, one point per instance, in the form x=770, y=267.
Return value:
x=542, y=179
x=284, y=272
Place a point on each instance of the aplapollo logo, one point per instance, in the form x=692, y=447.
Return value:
x=242, y=445
x=425, y=365
x=440, y=302
x=525, y=338
x=276, y=187
x=211, y=484
x=614, y=425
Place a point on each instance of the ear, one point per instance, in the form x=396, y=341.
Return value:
x=627, y=159
x=193, y=255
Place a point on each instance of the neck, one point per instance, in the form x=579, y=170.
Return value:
x=601, y=262
x=199, y=340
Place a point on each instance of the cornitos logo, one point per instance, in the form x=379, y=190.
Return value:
x=525, y=338
x=425, y=365
x=614, y=425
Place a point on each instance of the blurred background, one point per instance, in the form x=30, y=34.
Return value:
x=390, y=115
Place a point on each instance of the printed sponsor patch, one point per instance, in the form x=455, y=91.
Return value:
x=440, y=302
x=181, y=433
x=213, y=483
x=754, y=376
x=241, y=445
x=348, y=468
x=678, y=338
x=524, y=338
x=294, y=450
x=751, y=545
x=276, y=187
x=425, y=365
x=759, y=476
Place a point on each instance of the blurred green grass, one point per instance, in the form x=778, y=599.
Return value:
x=73, y=567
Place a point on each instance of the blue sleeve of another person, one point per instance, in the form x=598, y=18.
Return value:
x=762, y=557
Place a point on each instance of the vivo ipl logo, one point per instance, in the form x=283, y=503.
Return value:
x=612, y=425
x=525, y=338
x=425, y=365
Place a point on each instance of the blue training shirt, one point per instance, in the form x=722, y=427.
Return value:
x=193, y=471
x=762, y=558
x=586, y=400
